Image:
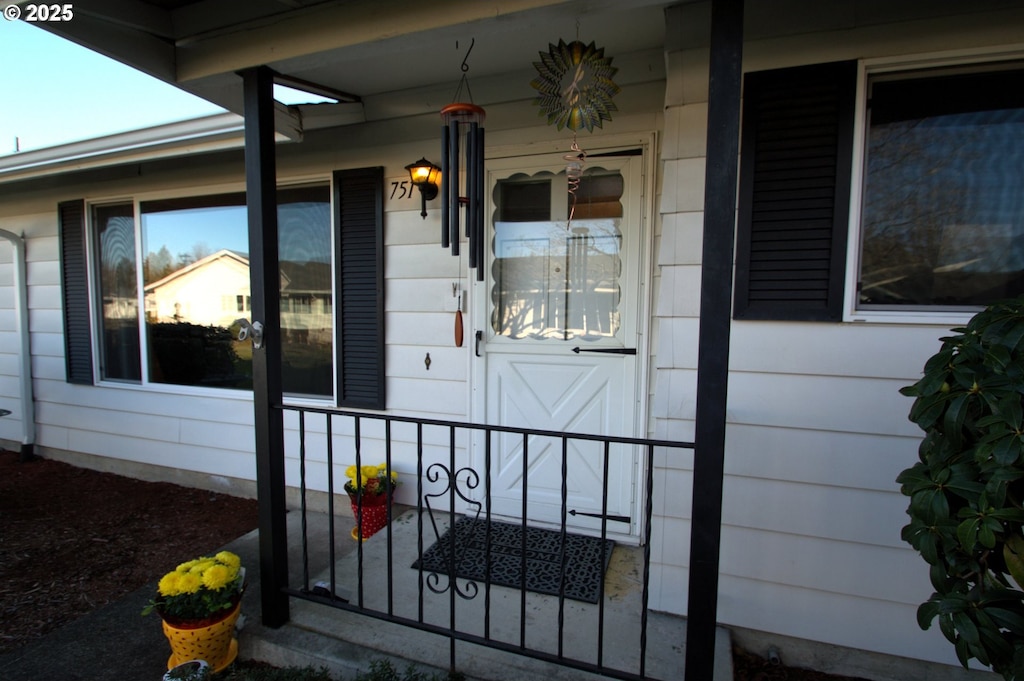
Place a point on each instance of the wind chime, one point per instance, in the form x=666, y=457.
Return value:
x=462, y=174
x=576, y=89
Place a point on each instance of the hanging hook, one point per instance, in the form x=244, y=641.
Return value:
x=465, y=66
x=464, y=81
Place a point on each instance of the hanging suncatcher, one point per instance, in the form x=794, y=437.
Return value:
x=576, y=89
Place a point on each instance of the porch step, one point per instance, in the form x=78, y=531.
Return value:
x=345, y=642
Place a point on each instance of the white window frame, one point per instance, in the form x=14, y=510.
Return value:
x=867, y=67
x=137, y=199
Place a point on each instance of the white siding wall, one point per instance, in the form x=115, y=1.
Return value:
x=817, y=431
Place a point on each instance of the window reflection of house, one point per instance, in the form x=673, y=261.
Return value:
x=306, y=304
x=213, y=291
x=197, y=293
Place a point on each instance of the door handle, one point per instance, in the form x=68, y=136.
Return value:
x=479, y=338
x=247, y=330
x=607, y=351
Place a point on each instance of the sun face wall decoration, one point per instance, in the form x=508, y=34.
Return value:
x=575, y=85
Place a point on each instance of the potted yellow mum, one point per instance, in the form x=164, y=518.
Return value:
x=199, y=602
x=369, y=489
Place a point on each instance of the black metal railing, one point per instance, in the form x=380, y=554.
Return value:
x=376, y=578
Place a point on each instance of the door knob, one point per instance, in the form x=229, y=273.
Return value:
x=247, y=330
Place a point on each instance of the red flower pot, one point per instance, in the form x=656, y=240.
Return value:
x=373, y=514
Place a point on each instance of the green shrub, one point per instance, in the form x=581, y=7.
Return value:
x=967, y=488
x=383, y=670
x=257, y=671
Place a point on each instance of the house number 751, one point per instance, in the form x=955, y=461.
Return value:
x=401, y=189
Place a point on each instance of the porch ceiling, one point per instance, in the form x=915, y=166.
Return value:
x=400, y=57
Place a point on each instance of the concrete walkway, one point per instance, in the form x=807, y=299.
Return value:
x=339, y=640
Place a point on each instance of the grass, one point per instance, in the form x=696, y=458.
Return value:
x=380, y=670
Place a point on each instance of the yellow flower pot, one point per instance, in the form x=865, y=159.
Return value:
x=214, y=642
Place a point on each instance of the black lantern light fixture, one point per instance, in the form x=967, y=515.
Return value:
x=424, y=176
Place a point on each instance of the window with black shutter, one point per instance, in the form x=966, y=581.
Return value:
x=359, y=264
x=796, y=158
x=157, y=345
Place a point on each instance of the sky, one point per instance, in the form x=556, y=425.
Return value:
x=41, y=73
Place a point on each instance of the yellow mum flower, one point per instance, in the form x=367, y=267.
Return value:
x=229, y=559
x=189, y=583
x=217, y=577
x=351, y=471
x=186, y=566
x=202, y=566
x=369, y=472
x=169, y=584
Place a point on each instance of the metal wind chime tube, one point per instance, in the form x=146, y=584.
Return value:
x=475, y=210
x=462, y=173
x=445, y=187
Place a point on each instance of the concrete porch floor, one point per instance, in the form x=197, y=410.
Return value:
x=318, y=635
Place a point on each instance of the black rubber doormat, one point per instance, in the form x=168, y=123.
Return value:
x=586, y=558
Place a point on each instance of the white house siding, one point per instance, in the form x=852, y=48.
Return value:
x=817, y=431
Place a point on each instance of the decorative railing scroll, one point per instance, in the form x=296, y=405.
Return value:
x=438, y=472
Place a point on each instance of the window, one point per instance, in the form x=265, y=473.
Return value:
x=941, y=212
x=171, y=280
x=118, y=298
x=943, y=209
x=196, y=254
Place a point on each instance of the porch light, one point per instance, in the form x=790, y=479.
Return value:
x=424, y=175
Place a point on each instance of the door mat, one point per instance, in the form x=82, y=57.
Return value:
x=586, y=558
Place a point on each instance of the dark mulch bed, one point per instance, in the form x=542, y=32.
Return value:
x=73, y=539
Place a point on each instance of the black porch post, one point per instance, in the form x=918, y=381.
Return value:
x=713, y=342
x=261, y=201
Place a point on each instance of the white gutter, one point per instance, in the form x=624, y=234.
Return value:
x=198, y=135
x=28, y=413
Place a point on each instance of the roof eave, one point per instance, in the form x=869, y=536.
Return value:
x=198, y=135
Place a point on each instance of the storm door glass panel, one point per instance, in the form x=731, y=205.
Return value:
x=557, y=259
x=114, y=233
x=943, y=214
x=307, y=310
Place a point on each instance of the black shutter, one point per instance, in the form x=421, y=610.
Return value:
x=74, y=274
x=794, y=197
x=359, y=220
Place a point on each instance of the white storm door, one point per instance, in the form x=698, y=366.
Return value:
x=561, y=341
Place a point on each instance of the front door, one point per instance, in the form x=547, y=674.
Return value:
x=562, y=342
